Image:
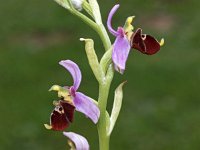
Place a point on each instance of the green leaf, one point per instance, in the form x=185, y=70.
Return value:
x=116, y=106
x=93, y=60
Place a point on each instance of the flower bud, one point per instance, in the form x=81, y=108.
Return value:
x=77, y=4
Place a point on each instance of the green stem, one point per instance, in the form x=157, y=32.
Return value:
x=102, y=124
x=104, y=87
x=104, y=120
x=104, y=36
x=85, y=19
x=99, y=28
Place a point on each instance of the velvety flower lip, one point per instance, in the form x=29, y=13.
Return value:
x=79, y=141
x=144, y=43
x=121, y=46
x=61, y=116
x=82, y=103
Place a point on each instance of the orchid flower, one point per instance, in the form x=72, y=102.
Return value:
x=76, y=141
x=123, y=42
x=71, y=100
x=121, y=46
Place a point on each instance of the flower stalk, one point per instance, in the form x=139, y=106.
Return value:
x=94, y=12
x=104, y=121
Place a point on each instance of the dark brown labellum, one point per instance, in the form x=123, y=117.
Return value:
x=62, y=115
x=144, y=43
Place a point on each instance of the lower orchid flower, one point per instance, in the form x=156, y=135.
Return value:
x=71, y=100
x=124, y=42
x=76, y=141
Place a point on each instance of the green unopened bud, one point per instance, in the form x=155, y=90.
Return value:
x=96, y=11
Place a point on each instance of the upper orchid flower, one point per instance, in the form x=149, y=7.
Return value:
x=124, y=42
x=62, y=115
x=121, y=46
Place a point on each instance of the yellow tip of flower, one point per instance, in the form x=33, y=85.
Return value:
x=128, y=24
x=56, y=103
x=47, y=126
x=162, y=42
x=130, y=19
x=55, y=88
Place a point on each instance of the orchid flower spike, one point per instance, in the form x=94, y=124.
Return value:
x=71, y=100
x=77, y=141
x=124, y=41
